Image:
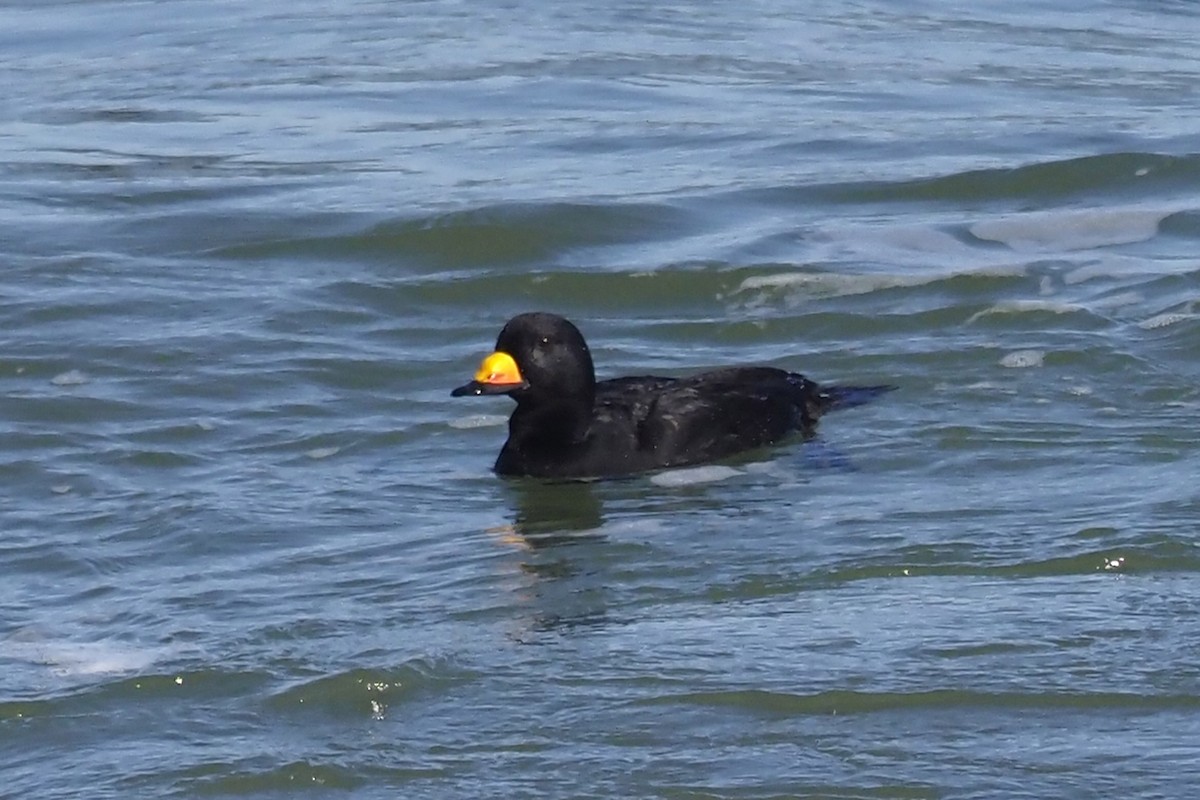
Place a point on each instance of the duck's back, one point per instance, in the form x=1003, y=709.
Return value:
x=650, y=422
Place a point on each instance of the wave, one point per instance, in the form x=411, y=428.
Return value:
x=369, y=691
x=485, y=236
x=1127, y=175
x=858, y=702
x=1167, y=555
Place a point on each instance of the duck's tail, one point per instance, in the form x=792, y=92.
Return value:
x=836, y=397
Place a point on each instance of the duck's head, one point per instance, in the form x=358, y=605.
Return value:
x=538, y=356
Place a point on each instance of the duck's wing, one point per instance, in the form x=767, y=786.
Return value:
x=631, y=388
x=679, y=421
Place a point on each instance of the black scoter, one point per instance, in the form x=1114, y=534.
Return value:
x=569, y=425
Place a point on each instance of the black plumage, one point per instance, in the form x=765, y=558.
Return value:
x=569, y=425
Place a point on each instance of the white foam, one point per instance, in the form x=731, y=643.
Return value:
x=1024, y=359
x=1055, y=231
x=478, y=421
x=81, y=658
x=1165, y=319
x=1024, y=307
x=807, y=283
x=827, y=284
x=322, y=452
x=71, y=377
x=693, y=476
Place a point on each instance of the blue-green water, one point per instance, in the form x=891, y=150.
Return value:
x=250, y=547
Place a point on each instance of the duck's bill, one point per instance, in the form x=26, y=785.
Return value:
x=476, y=388
x=498, y=374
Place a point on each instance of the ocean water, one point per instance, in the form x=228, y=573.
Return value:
x=250, y=547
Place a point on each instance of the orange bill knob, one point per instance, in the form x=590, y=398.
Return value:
x=498, y=374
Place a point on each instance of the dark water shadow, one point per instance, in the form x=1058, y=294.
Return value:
x=546, y=513
x=558, y=526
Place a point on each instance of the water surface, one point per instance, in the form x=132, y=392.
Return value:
x=251, y=547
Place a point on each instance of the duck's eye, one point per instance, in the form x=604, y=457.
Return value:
x=545, y=340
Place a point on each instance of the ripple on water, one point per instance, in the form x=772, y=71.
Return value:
x=1059, y=231
x=371, y=692
x=249, y=545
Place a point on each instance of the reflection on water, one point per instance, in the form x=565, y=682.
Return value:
x=564, y=556
x=548, y=513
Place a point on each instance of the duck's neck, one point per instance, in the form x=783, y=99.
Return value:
x=549, y=424
x=542, y=435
